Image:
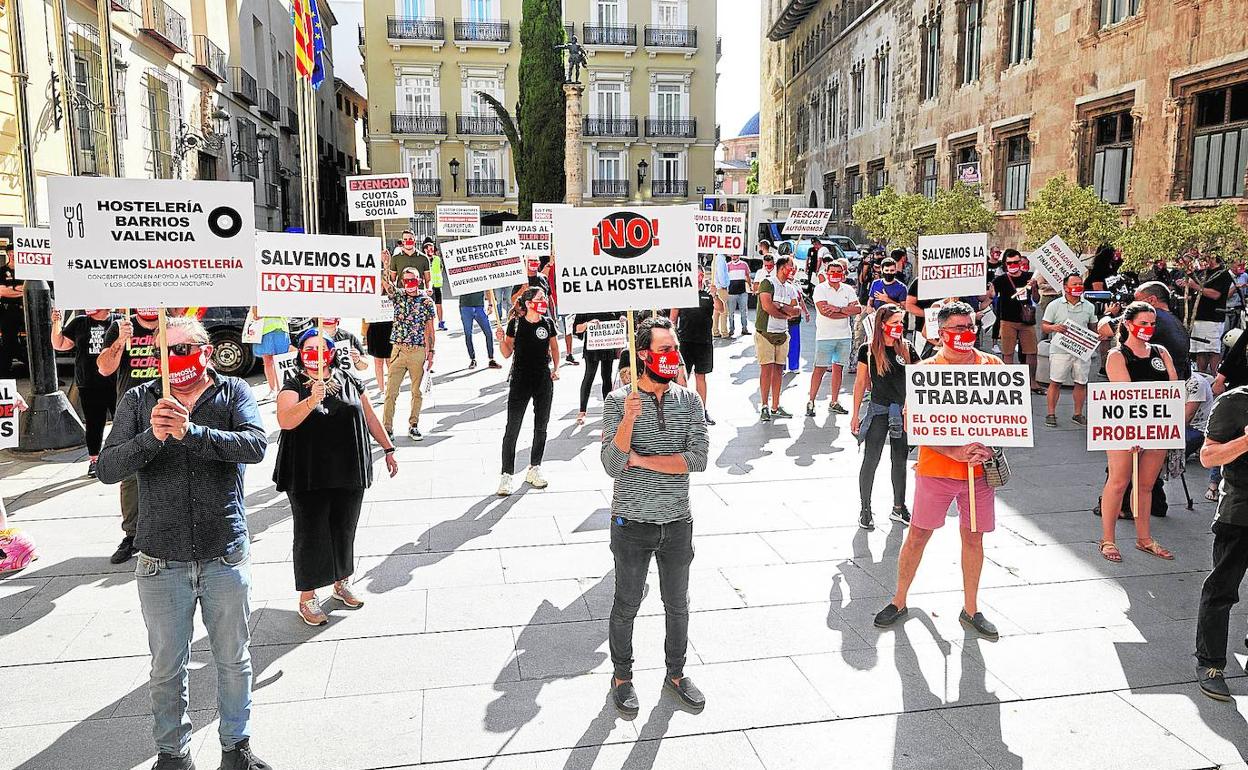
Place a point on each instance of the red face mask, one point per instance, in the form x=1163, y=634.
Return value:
x=313, y=357
x=835, y=277
x=539, y=306
x=329, y=321
x=962, y=342
x=409, y=243
x=411, y=285
x=184, y=370
x=664, y=366
x=1142, y=332
x=1076, y=292
x=894, y=331
x=147, y=314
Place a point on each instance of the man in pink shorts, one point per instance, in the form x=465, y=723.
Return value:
x=941, y=479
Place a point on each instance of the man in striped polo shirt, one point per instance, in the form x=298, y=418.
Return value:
x=652, y=439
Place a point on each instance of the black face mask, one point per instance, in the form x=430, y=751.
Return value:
x=889, y=277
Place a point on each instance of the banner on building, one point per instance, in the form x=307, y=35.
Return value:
x=1078, y=341
x=545, y=212
x=32, y=253
x=335, y=276
x=720, y=232
x=458, y=221
x=630, y=258
x=379, y=196
x=488, y=262
x=952, y=265
x=1148, y=415
x=956, y=405
x=152, y=242
x=535, y=237
x=606, y=335
x=807, y=221
x=8, y=414
x=1055, y=260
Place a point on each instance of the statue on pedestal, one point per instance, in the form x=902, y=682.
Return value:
x=576, y=60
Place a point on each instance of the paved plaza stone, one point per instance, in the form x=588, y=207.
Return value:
x=483, y=642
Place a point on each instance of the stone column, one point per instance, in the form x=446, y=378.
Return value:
x=573, y=152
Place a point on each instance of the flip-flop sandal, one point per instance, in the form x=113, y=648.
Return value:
x=1154, y=548
x=1211, y=494
x=1110, y=551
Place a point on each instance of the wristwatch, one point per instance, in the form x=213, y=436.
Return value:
x=388, y=450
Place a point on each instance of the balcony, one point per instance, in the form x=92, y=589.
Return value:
x=418, y=123
x=270, y=105
x=569, y=30
x=291, y=124
x=482, y=34
x=608, y=188
x=415, y=30
x=164, y=24
x=244, y=86
x=669, y=188
x=210, y=59
x=678, y=39
x=673, y=128
x=361, y=36
x=478, y=125
x=427, y=188
x=617, y=126
x=485, y=188
x=616, y=35
x=121, y=5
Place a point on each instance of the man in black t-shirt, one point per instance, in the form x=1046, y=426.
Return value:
x=1226, y=445
x=132, y=352
x=693, y=330
x=1017, y=294
x=1211, y=285
x=10, y=315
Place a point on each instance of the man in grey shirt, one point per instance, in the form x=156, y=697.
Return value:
x=652, y=439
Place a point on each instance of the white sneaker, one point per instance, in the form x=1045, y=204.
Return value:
x=534, y=477
x=505, y=485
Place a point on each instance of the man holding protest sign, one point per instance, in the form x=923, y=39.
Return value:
x=188, y=448
x=1071, y=348
x=412, y=337
x=777, y=304
x=943, y=477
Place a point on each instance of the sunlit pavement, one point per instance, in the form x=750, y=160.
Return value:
x=483, y=639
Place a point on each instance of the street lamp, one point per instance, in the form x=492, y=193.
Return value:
x=719, y=180
x=454, y=164
x=642, y=165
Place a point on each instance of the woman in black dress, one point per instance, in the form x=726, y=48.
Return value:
x=324, y=464
x=1134, y=360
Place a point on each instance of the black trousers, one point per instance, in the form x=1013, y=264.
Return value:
x=97, y=405
x=632, y=544
x=1220, y=593
x=325, y=521
x=596, y=362
x=873, y=447
x=10, y=347
x=525, y=387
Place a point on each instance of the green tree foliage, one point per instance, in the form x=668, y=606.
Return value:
x=751, y=182
x=959, y=209
x=1075, y=213
x=537, y=132
x=891, y=218
x=1165, y=236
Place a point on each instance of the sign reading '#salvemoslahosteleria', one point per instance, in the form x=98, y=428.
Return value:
x=152, y=242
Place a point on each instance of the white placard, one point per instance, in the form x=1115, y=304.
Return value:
x=152, y=242
x=952, y=265
x=606, y=335
x=287, y=365
x=253, y=330
x=720, y=232
x=8, y=414
x=1077, y=341
x=807, y=221
x=632, y=258
x=1122, y=415
x=535, y=237
x=957, y=405
x=458, y=221
x=1055, y=260
x=386, y=314
x=338, y=276
x=545, y=212
x=379, y=196
x=488, y=262
x=32, y=253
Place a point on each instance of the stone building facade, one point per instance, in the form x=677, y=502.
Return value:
x=1147, y=101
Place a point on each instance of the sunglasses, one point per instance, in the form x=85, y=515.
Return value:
x=185, y=348
x=1014, y=263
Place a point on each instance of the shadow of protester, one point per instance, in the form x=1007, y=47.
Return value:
x=738, y=453
x=438, y=542
x=986, y=738
x=814, y=440
x=851, y=577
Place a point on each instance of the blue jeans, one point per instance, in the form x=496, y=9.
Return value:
x=795, y=346
x=738, y=305
x=467, y=315
x=168, y=593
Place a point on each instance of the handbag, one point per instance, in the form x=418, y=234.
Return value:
x=997, y=469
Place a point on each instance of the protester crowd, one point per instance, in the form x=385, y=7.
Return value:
x=179, y=457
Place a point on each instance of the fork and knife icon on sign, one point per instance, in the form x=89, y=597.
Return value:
x=73, y=214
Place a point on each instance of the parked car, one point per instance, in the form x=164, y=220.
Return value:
x=230, y=356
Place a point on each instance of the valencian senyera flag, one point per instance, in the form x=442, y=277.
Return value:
x=303, y=37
